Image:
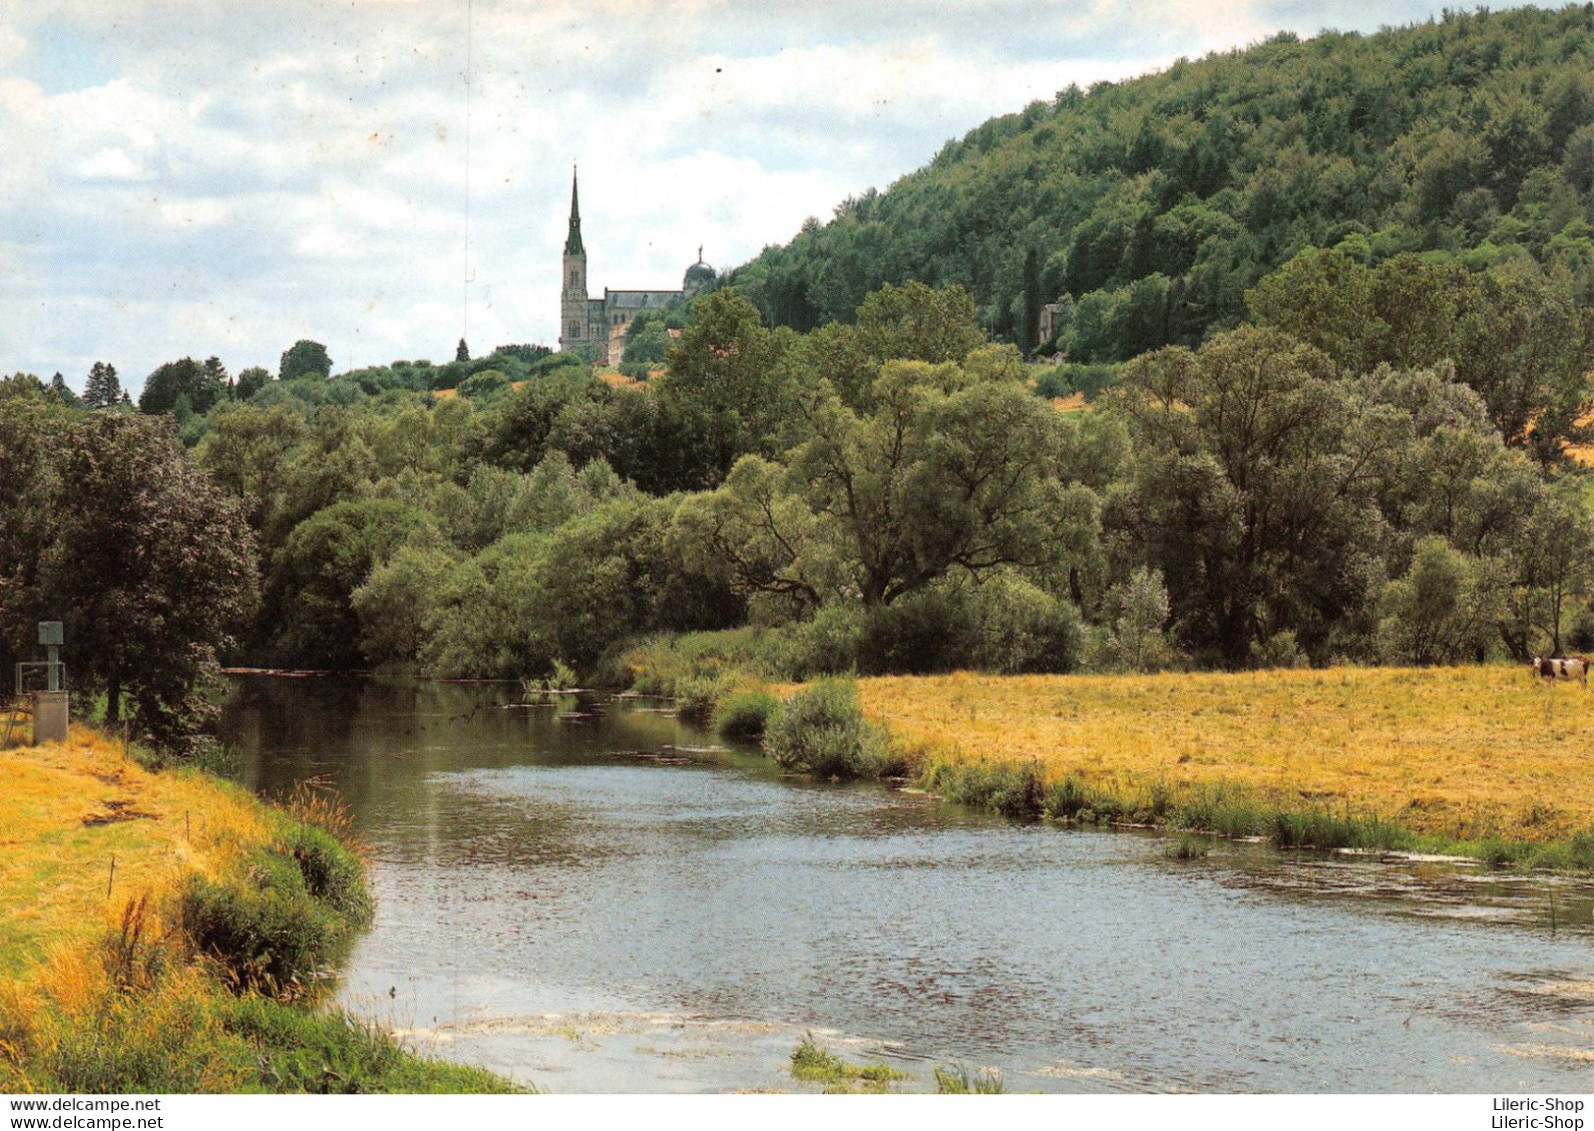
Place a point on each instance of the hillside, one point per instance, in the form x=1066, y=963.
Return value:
x=1149, y=207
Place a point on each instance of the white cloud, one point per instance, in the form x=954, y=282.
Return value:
x=111, y=164
x=12, y=45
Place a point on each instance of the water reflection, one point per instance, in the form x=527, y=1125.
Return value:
x=554, y=906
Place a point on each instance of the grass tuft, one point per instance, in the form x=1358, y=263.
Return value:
x=960, y=1080
x=815, y=1064
x=1188, y=847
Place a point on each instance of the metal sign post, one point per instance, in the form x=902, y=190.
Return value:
x=51, y=707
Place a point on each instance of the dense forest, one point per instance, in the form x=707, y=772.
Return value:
x=1344, y=427
x=1146, y=209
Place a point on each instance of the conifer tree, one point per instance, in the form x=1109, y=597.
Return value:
x=102, y=389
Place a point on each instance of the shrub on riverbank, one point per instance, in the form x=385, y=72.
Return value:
x=1004, y=625
x=1012, y=789
x=821, y=730
x=745, y=713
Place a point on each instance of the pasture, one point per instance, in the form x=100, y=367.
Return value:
x=1466, y=754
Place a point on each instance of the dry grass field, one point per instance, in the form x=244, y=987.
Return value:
x=1465, y=753
x=67, y=810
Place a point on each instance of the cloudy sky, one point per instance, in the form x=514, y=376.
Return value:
x=197, y=177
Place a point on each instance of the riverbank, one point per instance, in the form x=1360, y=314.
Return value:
x=1477, y=761
x=1483, y=762
x=165, y=931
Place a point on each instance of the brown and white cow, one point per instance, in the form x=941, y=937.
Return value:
x=1573, y=667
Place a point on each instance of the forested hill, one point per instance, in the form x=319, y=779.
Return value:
x=1148, y=207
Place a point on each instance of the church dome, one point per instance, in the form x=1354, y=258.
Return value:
x=698, y=275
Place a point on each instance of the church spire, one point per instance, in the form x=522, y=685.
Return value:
x=573, y=240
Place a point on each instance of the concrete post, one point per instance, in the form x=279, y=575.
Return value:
x=49, y=716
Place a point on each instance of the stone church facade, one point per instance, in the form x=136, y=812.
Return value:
x=604, y=320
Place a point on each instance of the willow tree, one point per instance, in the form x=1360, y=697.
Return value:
x=152, y=568
x=952, y=472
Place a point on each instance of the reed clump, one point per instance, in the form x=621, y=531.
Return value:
x=961, y=1080
x=1013, y=789
x=696, y=697
x=812, y=1063
x=1189, y=847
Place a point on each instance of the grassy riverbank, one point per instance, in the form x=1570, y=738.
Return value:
x=1476, y=761
x=167, y=932
x=1465, y=753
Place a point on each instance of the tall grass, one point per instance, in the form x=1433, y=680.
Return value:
x=960, y=1080
x=185, y=1034
x=1011, y=788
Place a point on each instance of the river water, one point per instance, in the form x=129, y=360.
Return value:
x=584, y=905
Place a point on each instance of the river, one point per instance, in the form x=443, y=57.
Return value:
x=584, y=905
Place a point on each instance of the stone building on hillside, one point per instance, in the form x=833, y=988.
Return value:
x=604, y=320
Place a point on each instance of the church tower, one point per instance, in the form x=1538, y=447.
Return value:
x=573, y=296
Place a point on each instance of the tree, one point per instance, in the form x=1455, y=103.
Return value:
x=305, y=359
x=1136, y=636
x=1254, y=490
x=246, y=452
x=726, y=367
x=462, y=351
x=1554, y=560
x=395, y=601
x=1512, y=334
x=1444, y=609
x=63, y=394
x=184, y=381
x=952, y=472
x=646, y=339
x=251, y=381
x=523, y=351
x=323, y=561
x=102, y=390
x=1527, y=348
x=485, y=385
x=217, y=380
x=152, y=570
x=31, y=428
x=914, y=322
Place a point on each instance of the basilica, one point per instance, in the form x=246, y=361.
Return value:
x=604, y=320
